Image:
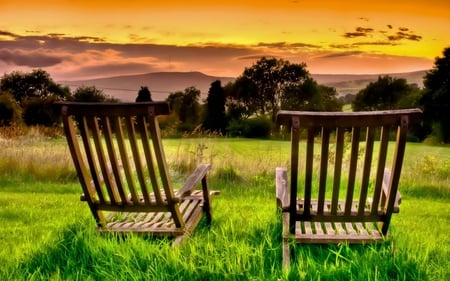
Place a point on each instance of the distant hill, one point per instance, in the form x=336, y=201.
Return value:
x=161, y=84
x=352, y=83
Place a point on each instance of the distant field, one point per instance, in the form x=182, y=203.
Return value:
x=48, y=234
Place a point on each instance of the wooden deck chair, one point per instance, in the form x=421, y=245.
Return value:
x=119, y=158
x=347, y=174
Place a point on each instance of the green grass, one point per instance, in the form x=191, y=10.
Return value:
x=48, y=234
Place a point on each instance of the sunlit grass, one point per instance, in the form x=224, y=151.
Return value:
x=48, y=234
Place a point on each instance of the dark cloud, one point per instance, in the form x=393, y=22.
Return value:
x=287, y=45
x=342, y=54
x=403, y=35
x=31, y=58
x=359, y=32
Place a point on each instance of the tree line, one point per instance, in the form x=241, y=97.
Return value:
x=246, y=106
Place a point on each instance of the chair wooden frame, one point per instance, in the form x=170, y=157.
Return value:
x=119, y=158
x=348, y=195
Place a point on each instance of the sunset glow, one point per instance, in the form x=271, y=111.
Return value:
x=74, y=39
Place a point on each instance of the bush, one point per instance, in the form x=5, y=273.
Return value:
x=258, y=127
x=10, y=111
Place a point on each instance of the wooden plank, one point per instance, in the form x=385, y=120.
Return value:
x=370, y=138
x=295, y=138
x=145, y=137
x=337, y=169
x=123, y=152
x=281, y=188
x=354, y=153
x=116, y=167
x=347, y=119
x=384, y=140
x=323, y=169
x=308, y=172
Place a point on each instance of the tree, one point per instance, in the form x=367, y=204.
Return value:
x=436, y=99
x=37, y=84
x=385, y=93
x=186, y=107
x=91, y=94
x=260, y=87
x=144, y=94
x=215, y=119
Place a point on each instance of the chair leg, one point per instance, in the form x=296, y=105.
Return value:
x=285, y=238
x=207, y=201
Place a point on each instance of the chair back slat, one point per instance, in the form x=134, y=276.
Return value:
x=382, y=155
x=149, y=157
x=367, y=165
x=308, y=172
x=116, y=166
x=352, y=170
x=323, y=169
x=337, y=170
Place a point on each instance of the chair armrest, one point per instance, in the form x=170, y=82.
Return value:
x=385, y=190
x=193, y=180
x=282, y=192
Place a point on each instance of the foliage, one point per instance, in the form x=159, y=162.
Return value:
x=10, y=111
x=37, y=84
x=91, y=94
x=436, y=100
x=186, y=107
x=215, y=120
x=260, y=88
x=310, y=96
x=144, y=94
x=386, y=93
x=38, y=111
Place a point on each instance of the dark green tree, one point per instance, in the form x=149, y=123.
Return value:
x=37, y=84
x=385, y=93
x=185, y=105
x=144, y=94
x=260, y=88
x=91, y=94
x=436, y=99
x=215, y=119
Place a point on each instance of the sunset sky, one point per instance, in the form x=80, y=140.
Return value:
x=81, y=39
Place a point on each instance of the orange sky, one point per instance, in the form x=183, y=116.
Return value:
x=85, y=38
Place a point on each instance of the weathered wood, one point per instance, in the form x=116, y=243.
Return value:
x=123, y=172
x=282, y=192
x=339, y=207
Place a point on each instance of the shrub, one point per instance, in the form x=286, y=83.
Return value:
x=258, y=127
x=10, y=111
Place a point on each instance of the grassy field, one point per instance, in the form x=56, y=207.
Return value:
x=48, y=234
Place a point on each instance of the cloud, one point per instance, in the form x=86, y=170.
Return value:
x=403, y=33
x=341, y=54
x=86, y=57
x=28, y=58
x=359, y=32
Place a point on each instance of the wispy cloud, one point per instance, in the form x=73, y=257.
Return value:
x=85, y=57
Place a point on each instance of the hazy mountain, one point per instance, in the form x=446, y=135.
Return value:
x=352, y=83
x=161, y=84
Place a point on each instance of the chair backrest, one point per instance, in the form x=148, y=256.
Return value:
x=116, y=147
x=343, y=179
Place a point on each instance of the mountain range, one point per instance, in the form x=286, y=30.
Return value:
x=161, y=84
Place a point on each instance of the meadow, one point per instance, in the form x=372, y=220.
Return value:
x=48, y=234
